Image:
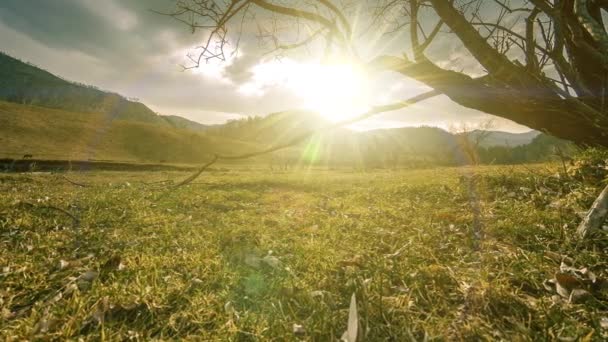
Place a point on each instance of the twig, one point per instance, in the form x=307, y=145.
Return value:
x=562, y=158
x=157, y=182
x=197, y=173
x=75, y=183
x=75, y=220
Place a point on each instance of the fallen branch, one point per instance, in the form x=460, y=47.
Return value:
x=197, y=173
x=75, y=220
x=596, y=216
x=75, y=183
x=374, y=111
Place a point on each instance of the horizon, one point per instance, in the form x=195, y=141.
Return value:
x=112, y=54
x=372, y=124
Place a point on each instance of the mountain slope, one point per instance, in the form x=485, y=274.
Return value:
x=342, y=146
x=271, y=129
x=49, y=117
x=24, y=83
x=183, y=123
x=499, y=138
x=59, y=134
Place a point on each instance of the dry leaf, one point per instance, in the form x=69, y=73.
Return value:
x=85, y=280
x=63, y=264
x=578, y=296
x=565, y=284
x=357, y=260
x=604, y=323
x=197, y=281
x=397, y=252
x=228, y=307
x=590, y=275
x=298, y=329
x=350, y=335
x=88, y=276
x=272, y=261
x=564, y=268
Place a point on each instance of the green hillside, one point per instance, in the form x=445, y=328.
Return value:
x=23, y=83
x=274, y=128
x=341, y=146
x=183, y=123
x=48, y=117
x=59, y=134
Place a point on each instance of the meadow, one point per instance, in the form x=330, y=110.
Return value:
x=465, y=253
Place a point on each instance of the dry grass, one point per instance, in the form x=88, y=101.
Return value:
x=431, y=254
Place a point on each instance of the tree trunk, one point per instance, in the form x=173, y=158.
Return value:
x=518, y=97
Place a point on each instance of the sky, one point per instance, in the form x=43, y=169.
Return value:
x=125, y=47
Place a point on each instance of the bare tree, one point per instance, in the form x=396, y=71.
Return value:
x=544, y=62
x=471, y=137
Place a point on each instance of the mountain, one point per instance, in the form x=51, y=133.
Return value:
x=58, y=134
x=48, y=117
x=341, y=146
x=408, y=146
x=499, y=138
x=24, y=83
x=273, y=128
x=391, y=147
x=182, y=123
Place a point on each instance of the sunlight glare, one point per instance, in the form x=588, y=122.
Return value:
x=336, y=91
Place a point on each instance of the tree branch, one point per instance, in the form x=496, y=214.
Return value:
x=372, y=112
x=597, y=31
x=487, y=56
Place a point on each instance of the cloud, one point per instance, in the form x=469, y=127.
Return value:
x=123, y=46
x=137, y=56
x=240, y=69
x=114, y=14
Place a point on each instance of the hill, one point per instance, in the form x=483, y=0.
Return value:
x=271, y=129
x=341, y=146
x=499, y=138
x=397, y=147
x=183, y=123
x=24, y=83
x=46, y=116
x=59, y=134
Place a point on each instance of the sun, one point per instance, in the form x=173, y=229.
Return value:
x=336, y=91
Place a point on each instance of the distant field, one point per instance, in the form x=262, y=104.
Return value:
x=441, y=254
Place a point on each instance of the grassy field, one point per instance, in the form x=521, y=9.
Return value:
x=442, y=254
x=57, y=134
